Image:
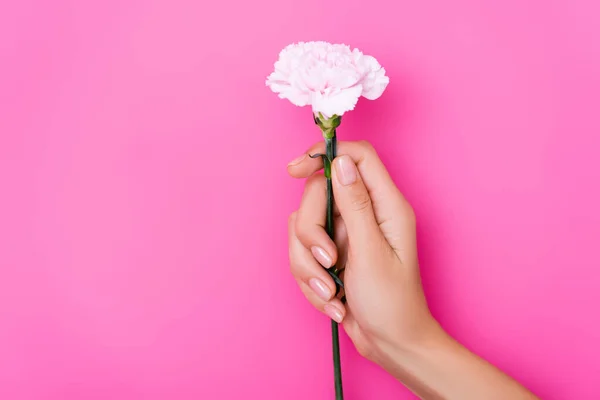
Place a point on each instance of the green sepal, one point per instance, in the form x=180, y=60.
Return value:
x=327, y=125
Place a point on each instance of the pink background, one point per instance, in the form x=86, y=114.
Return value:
x=145, y=199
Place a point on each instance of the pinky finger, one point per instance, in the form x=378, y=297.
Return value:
x=334, y=308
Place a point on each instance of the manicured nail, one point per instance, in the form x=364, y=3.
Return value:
x=321, y=256
x=346, y=170
x=333, y=313
x=320, y=288
x=297, y=160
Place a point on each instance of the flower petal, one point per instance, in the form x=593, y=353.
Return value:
x=330, y=77
x=336, y=103
x=375, y=80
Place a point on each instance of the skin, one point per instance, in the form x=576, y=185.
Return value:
x=386, y=315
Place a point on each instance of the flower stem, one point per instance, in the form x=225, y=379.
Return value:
x=337, y=366
x=331, y=150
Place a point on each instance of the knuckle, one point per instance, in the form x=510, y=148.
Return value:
x=302, y=232
x=292, y=218
x=363, y=349
x=293, y=268
x=296, y=269
x=361, y=203
x=411, y=217
x=366, y=147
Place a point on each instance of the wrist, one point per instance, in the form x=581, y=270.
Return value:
x=438, y=367
x=402, y=358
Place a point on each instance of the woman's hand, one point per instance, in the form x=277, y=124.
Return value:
x=375, y=242
x=386, y=314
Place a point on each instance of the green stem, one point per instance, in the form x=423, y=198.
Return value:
x=337, y=365
x=331, y=150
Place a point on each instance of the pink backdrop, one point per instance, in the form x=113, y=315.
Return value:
x=144, y=195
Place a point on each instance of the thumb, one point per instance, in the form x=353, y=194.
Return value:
x=354, y=204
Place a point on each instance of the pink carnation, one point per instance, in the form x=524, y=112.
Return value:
x=329, y=77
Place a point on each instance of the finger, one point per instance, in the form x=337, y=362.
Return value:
x=362, y=152
x=314, y=282
x=307, y=271
x=377, y=180
x=334, y=308
x=304, y=166
x=310, y=222
x=392, y=211
x=354, y=203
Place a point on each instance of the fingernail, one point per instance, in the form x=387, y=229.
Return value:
x=346, y=170
x=320, y=288
x=321, y=256
x=333, y=313
x=297, y=160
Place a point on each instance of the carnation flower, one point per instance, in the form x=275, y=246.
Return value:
x=329, y=77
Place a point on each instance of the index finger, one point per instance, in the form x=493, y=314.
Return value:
x=392, y=212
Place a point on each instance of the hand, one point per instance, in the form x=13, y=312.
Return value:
x=386, y=314
x=376, y=243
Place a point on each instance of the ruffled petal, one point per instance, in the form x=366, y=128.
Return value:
x=336, y=103
x=330, y=77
